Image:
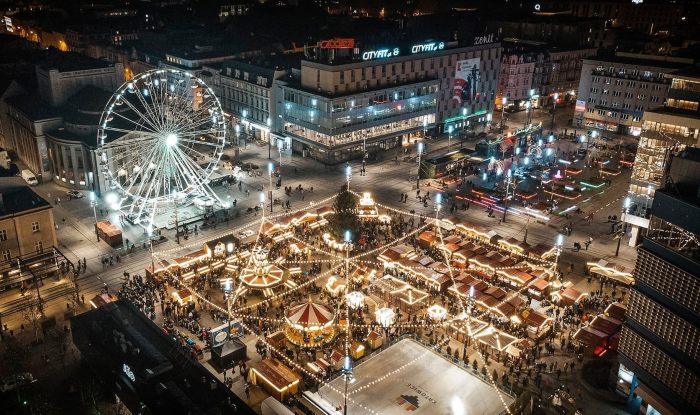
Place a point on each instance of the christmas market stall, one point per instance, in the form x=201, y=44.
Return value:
x=277, y=379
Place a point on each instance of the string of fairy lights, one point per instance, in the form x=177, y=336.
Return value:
x=357, y=260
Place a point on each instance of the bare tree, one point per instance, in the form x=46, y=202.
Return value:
x=32, y=313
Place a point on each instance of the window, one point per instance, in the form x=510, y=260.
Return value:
x=39, y=246
x=35, y=226
x=654, y=99
x=6, y=255
x=628, y=95
x=606, y=91
x=3, y=235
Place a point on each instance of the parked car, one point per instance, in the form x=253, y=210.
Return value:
x=74, y=194
x=12, y=382
x=29, y=177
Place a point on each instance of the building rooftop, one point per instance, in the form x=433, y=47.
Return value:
x=668, y=62
x=33, y=107
x=71, y=61
x=164, y=377
x=689, y=72
x=18, y=199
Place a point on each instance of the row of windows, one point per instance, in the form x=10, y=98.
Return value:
x=621, y=82
x=614, y=114
x=667, y=279
x=7, y=254
x=660, y=365
x=658, y=319
x=3, y=232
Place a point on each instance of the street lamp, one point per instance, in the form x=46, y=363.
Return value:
x=504, y=101
x=349, y=378
x=527, y=109
x=93, y=203
x=269, y=138
x=509, y=177
x=270, y=169
x=420, y=152
x=558, y=245
x=554, y=107
x=449, y=136
x=625, y=208
x=425, y=128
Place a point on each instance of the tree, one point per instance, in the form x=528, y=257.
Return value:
x=344, y=217
x=32, y=313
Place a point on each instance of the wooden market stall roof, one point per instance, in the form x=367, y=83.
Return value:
x=427, y=237
x=496, y=339
x=569, y=295
x=606, y=324
x=537, y=319
x=616, y=311
x=610, y=270
x=276, y=374
x=590, y=336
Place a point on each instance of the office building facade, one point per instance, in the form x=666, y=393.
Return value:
x=350, y=101
x=660, y=341
x=664, y=131
x=615, y=91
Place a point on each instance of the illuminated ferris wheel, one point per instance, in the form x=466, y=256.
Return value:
x=161, y=135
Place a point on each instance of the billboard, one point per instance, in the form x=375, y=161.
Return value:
x=580, y=105
x=467, y=77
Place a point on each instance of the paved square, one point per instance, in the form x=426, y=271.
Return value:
x=431, y=385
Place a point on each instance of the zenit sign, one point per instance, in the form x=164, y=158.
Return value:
x=391, y=52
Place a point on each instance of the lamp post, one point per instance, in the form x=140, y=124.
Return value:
x=504, y=101
x=269, y=138
x=625, y=207
x=509, y=177
x=347, y=375
x=554, y=108
x=244, y=113
x=425, y=128
x=449, y=136
x=558, y=244
x=93, y=203
x=237, y=129
x=528, y=110
x=420, y=153
x=464, y=127
x=270, y=169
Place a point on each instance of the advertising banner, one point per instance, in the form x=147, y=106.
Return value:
x=467, y=77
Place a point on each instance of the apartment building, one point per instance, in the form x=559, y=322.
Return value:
x=26, y=223
x=615, y=90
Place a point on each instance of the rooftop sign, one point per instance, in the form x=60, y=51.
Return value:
x=391, y=52
x=337, y=44
x=482, y=40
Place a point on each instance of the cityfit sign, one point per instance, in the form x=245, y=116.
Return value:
x=482, y=40
x=428, y=47
x=380, y=54
x=391, y=52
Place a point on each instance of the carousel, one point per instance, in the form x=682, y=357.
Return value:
x=309, y=324
x=260, y=274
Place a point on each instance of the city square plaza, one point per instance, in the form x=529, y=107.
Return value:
x=443, y=275
x=432, y=385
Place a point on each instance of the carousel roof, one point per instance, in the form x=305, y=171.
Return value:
x=310, y=314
